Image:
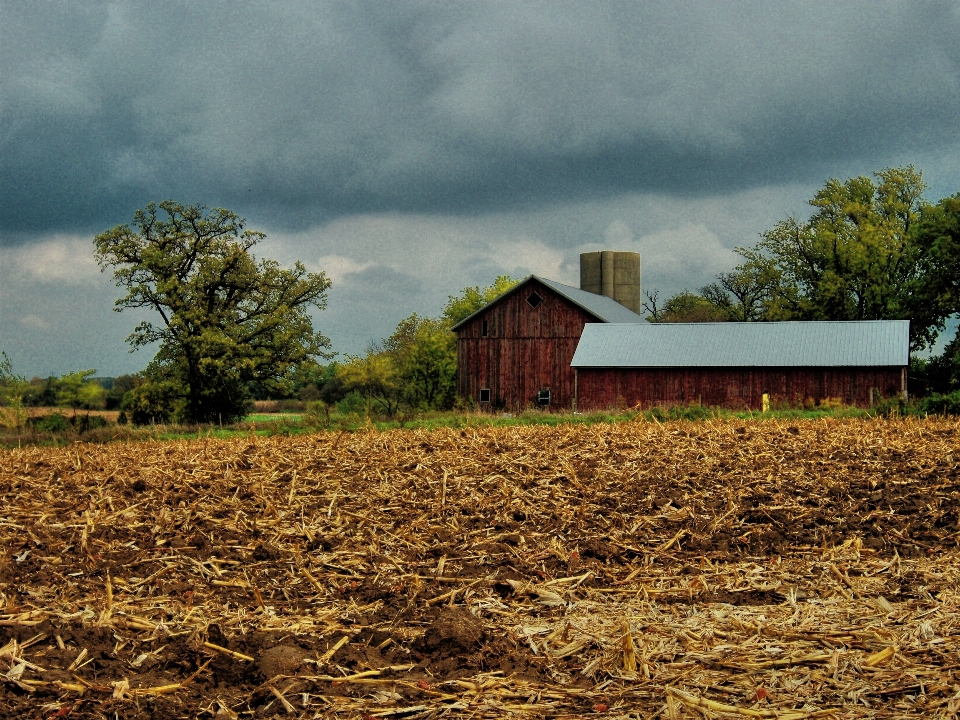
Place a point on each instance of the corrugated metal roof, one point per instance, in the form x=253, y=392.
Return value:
x=603, y=308
x=775, y=344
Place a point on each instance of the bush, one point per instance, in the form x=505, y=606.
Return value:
x=353, y=404
x=891, y=407
x=691, y=412
x=52, y=423
x=948, y=404
x=318, y=413
x=150, y=403
x=85, y=423
x=58, y=424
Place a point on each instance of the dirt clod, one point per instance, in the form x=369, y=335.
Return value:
x=281, y=660
x=455, y=628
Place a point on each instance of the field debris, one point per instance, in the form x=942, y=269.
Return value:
x=718, y=569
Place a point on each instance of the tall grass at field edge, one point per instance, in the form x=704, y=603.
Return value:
x=262, y=424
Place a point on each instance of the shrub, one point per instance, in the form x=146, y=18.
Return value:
x=948, y=404
x=149, y=403
x=52, y=423
x=85, y=423
x=691, y=412
x=352, y=404
x=318, y=413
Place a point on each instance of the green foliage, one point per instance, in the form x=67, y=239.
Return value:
x=462, y=306
x=13, y=387
x=227, y=318
x=857, y=258
x=53, y=423
x=682, y=412
x=943, y=372
x=939, y=291
x=687, y=307
x=317, y=414
x=374, y=377
x=415, y=369
x=353, y=403
x=41, y=392
x=152, y=402
x=121, y=386
x=745, y=293
x=78, y=390
x=424, y=354
x=948, y=404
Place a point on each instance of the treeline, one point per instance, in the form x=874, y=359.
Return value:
x=412, y=371
x=77, y=391
x=873, y=249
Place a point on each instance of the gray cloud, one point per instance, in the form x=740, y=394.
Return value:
x=414, y=148
x=298, y=113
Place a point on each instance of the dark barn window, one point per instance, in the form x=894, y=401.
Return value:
x=485, y=395
x=543, y=397
x=534, y=300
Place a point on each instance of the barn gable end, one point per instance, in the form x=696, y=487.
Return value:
x=522, y=343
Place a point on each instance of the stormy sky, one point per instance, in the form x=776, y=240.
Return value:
x=410, y=149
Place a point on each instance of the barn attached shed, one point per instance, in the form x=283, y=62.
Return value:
x=733, y=365
x=516, y=351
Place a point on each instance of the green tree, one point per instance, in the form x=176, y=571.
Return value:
x=856, y=258
x=77, y=390
x=471, y=299
x=424, y=353
x=746, y=292
x=228, y=319
x=375, y=377
x=938, y=293
x=686, y=307
x=13, y=387
x=938, y=235
x=121, y=386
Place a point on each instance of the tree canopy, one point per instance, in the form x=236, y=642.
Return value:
x=227, y=318
x=856, y=258
x=416, y=367
x=686, y=307
x=459, y=307
x=872, y=249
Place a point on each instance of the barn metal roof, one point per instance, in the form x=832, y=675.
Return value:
x=606, y=309
x=603, y=308
x=729, y=344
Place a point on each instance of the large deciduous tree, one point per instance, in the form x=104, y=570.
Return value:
x=227, y=318
x=856, y=258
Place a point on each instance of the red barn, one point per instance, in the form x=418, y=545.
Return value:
x=516, y=351
x=734, y=364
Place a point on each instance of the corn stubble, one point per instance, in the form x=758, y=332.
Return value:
x=713, y=569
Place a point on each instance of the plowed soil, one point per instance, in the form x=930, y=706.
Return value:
x=719, y=569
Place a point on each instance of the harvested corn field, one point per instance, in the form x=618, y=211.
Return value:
x=714, y=569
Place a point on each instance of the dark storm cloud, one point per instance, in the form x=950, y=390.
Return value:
x=301, y=112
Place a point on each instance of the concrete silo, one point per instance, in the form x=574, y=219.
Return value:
x=613, y=274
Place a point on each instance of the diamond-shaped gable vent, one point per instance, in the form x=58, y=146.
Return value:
x=534, y=299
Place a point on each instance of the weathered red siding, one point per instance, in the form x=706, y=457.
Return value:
x=600, y=388
x=526, y=349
